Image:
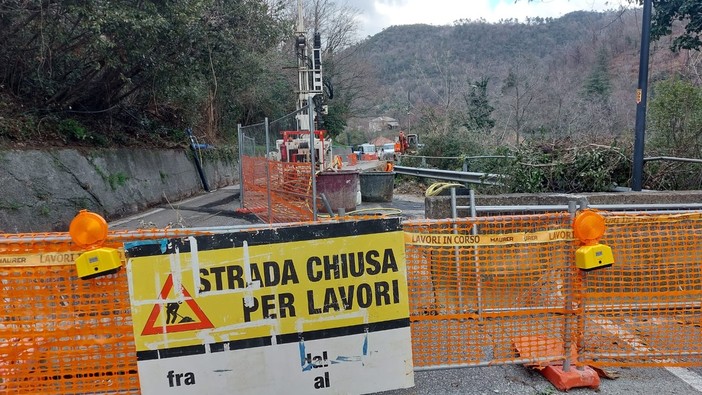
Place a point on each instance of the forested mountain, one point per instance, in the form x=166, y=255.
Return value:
x=120, y=73
x=558, y=93
x=569, y=76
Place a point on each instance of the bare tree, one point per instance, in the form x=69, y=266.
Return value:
x=337, y=23
x=694, y=66
x=348, y=78
x=519, y=92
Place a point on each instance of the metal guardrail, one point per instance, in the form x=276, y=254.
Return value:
x=644, y=208
x=465, y=159
x=672, y=159
x=492, y=179
x=448, y=175
x=638, y=208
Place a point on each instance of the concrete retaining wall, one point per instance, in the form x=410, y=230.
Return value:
x=43, y=190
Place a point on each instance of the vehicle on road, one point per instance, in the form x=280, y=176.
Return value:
x=387, y=152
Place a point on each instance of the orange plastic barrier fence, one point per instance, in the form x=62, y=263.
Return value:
x=289, y=186
x=474, y=292
x=61, y=335
x=507, y=291
x=646, y=310
x=487, y=291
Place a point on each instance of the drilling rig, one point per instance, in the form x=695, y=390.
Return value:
x=294, y=146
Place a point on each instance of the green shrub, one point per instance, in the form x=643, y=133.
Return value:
x=73, y=130
x=117, y=180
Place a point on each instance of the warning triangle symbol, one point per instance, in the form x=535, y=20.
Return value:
x=175, y=322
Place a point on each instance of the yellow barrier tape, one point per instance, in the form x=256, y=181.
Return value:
x=444, y=239
x=650, y=218
x=44, y=259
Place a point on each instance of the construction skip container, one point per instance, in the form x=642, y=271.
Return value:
x=340, y=189
x=377, y=186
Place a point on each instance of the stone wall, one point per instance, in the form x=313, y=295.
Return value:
x=43, y=190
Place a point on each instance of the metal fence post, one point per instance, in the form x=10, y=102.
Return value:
x=476, y=260
x=456, y=250
x=465, y=169
x=310, y=111
x=568, y=301
x=268, y=172
x=580, y=322
x=241, y=164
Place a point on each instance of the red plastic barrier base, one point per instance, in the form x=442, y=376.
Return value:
x=574, y=377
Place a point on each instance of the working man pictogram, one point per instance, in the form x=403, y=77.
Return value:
x=172, y=314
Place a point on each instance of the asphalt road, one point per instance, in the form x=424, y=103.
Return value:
x=217, y=209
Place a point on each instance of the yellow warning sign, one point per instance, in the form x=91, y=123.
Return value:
x=249, y=286
x=175, y=319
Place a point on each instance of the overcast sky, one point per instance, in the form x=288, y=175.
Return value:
x=379, y=14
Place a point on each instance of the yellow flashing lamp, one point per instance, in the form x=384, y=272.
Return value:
x=588, y=227
x=88, y=230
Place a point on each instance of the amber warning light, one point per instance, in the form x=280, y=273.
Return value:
x=589, y=227
x=88, y=231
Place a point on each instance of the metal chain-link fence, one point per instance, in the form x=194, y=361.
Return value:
x=275, y=189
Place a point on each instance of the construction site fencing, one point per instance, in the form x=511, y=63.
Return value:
x=60, y=334
x=646, y=309
x=504, y=289
x=482, y=291
x=275, y=191
x=479, y=286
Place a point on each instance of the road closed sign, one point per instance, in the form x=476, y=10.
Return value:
x=317, y=308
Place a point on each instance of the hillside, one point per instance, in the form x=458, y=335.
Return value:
x=399, y=51
x=113, y=74
x=572, y=77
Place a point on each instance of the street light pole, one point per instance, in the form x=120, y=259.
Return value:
x=641, y=95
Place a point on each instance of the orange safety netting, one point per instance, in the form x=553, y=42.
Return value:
x=61, y=335
x=484, y=291
x=474, y=293
x=480, y=295
x=646, y=310
x=275, y=191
